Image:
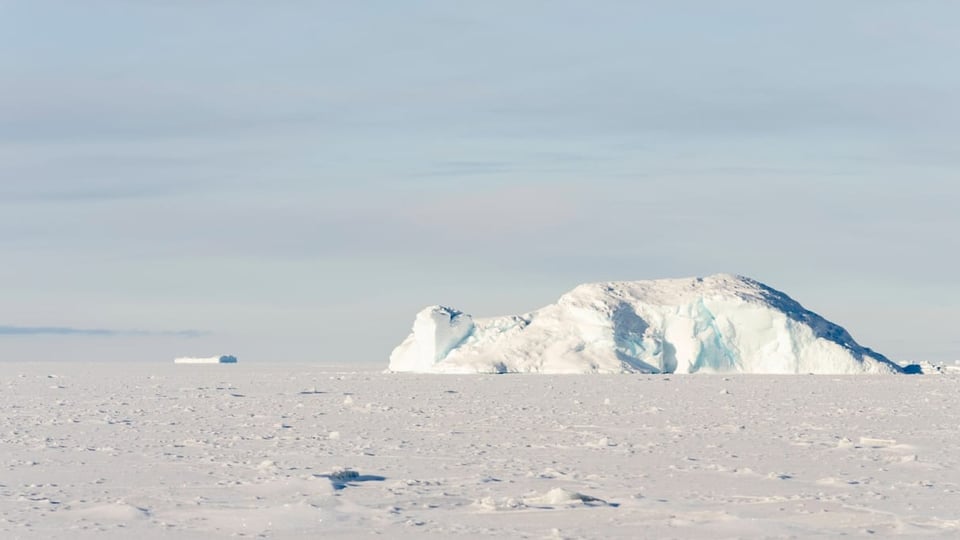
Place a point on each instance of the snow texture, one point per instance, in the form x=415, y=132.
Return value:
x=717, y=324
x=225, y=359
x=116, y=451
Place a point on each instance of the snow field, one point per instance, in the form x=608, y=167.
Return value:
x=141, y=451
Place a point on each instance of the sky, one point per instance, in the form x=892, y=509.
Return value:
x=293, y=180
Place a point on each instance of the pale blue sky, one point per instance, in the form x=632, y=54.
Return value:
x=293, y=180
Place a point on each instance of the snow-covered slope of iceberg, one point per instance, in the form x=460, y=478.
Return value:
x=716, y=324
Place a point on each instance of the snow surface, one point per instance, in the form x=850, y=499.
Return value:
x=225, y=359
x=120, y=451
x=718, y=324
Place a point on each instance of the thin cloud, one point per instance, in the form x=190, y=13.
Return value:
x=68, y=331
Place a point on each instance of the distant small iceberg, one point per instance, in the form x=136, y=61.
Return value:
x=226, y=359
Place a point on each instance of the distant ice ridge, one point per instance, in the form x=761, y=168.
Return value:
x=946, y=368
x=718, y=324
x=225, y=359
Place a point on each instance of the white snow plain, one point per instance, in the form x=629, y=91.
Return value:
x=717, y=324
x=119, y=451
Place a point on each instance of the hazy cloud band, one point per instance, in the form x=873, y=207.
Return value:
x=67, y=331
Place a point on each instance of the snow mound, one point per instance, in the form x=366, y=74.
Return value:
x=560, y=496
x=553, y=498
x=717, y=324
x=225, y=359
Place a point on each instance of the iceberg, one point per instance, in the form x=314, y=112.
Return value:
x=717, y=324
x=225, y=359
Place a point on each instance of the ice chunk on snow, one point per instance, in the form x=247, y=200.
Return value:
x=225, y=359
x=720, y=323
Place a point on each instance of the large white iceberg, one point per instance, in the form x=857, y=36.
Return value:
x=717, y=324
